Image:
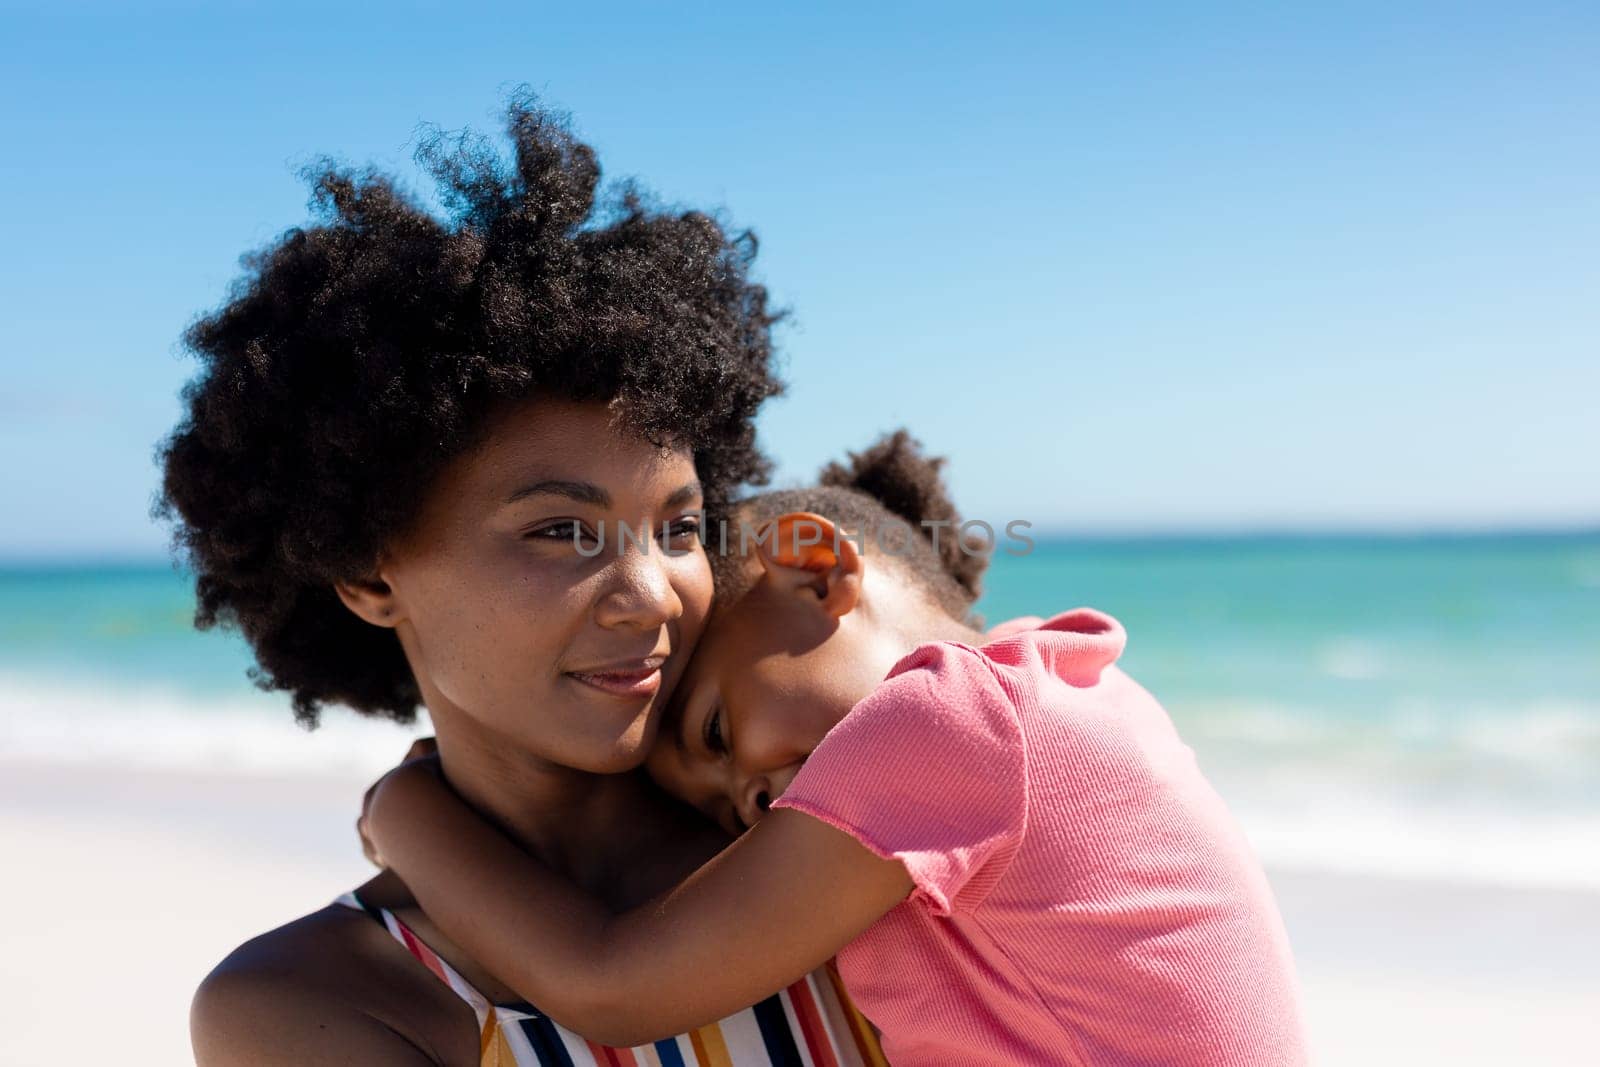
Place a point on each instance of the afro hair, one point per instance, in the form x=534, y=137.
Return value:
x=359, y=354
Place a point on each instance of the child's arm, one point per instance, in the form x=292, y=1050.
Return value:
x=771, y=907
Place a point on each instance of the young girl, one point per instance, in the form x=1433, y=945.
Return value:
x=1003, y=839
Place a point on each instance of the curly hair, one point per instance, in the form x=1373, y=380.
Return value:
x=356, y=356
x=890, y=481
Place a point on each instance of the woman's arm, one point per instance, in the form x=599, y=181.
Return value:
x=774, y=905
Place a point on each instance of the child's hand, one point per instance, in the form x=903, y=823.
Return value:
x=422, y=748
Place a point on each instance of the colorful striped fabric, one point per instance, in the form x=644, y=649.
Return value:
x=810, y=1024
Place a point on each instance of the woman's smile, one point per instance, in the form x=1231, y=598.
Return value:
x=624, y=678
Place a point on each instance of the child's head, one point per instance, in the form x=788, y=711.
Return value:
x=844, y=579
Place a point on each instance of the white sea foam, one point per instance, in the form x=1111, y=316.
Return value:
x=1502, y=794
x=1543, y=850
x=152, y=728
x=1508, y=797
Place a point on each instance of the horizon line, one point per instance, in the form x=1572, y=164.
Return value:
x=1042, y=534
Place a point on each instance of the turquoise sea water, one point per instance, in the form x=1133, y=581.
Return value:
x=1399, y=703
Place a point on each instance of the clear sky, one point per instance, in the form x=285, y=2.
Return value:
x=1132, y=267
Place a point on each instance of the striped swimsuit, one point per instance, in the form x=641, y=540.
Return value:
x=810, y=1024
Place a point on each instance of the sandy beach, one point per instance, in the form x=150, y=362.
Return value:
x=127, y=886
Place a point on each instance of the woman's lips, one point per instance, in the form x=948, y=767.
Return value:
x=638, y=679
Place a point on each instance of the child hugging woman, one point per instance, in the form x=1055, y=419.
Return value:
x=1002, y=837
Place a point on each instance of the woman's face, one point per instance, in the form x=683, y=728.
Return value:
x=510, y=621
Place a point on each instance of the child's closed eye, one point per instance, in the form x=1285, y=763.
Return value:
x=712, y=733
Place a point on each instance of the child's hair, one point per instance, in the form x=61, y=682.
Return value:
x=889, y=484
x=360, y=354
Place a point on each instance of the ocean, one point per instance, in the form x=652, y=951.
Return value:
x=1421, y=706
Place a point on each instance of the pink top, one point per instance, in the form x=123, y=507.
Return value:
x=1082, y=894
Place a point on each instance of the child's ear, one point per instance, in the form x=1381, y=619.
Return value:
x=804, y=551
x=372, y=599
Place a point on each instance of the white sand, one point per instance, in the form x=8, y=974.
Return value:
x=123, y=888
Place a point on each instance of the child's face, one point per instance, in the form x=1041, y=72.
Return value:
x=772, y=674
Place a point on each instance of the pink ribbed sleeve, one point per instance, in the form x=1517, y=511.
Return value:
x=1083, y=896
x=930, y=770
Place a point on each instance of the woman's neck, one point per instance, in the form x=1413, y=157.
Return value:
x=565, y=817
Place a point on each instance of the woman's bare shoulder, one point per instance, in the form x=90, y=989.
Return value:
x=329, y=987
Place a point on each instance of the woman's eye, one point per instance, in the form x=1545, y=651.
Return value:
x=683, y=528
x=714, y=740
x=568, y=530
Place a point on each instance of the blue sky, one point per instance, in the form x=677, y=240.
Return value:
x=1132, y=267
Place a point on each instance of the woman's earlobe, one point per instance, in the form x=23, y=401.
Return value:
x=371, y=599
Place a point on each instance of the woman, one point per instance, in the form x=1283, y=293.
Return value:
x=404, y=436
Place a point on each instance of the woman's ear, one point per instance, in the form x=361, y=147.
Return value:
x=372, y=599
x=805, y=552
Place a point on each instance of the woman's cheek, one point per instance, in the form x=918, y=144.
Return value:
x=692, y=581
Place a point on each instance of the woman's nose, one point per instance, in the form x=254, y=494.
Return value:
x=640, y=593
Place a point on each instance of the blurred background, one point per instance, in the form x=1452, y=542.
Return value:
x=1278, y=323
